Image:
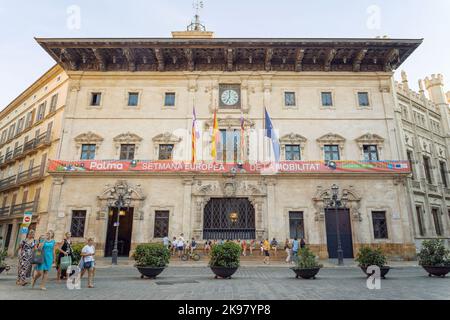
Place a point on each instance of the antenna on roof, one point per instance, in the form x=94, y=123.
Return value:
x=196, y=24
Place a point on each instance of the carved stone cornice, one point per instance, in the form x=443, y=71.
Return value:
x=166, y=138
x=331, y=138
x=88, y=138
x=127, y=138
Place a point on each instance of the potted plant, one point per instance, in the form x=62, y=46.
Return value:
x=151, y=259
x=367, y=257
x=225, y=259
x=435, y=258
x=3, y=255
x=306, y=265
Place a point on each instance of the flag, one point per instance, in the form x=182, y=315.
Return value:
x=242, y=137
x=270, y=133
x=215, y=137
x=195, y=136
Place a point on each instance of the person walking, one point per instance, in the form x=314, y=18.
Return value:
x=48, y=246
x=287, y=248
x=274, y=245
x=244, y=247
x=65, y=250
x=252, y=246
x=207, y=247
x=88, y=262
x=166, y=242
x=295, y=247
x=180, y=246
x=266, y=251
x=174, y=246
x=25, y=258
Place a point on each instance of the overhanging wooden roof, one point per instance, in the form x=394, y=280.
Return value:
x=221, y=54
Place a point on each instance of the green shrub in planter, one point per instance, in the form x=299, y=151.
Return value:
x=306, y=260
x=226, y=255
x=151, y=255
x=434, y=254
x=367, y=257
x=3, y=255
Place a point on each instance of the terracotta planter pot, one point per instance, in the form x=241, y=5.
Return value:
x=149, y=272
x=437, y=271
x=224, y=273
x=383, y=270
x=306, y=273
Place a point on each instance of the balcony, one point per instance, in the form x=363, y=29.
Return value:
x=22, y=178
x=43, y=140
x=19, y=209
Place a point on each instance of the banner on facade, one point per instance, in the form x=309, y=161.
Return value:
x=27, y=217
x=214, y=167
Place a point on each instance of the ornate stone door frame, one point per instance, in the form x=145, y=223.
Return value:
x=353, y=204
x=137, y=202
x=229, y=186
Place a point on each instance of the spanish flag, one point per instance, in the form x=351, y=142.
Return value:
x=215, y=137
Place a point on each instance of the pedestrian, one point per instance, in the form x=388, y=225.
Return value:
x=252, y=246
x=174, y=245
x=26, y=248
x=180, y=246
x=295, y=247
x=193, y=246
x=302, y=243
x=207, y=247
x=166, y=242
x=261, y=248
x=266, y=250
x=88, y=262
x=287, y=248
x=244, y=247
x=48, y=246
x=274, y=245
x=65, y=250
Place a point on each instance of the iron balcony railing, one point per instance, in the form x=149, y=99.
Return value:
x=4, y=211
x=22, y=178
x=20, y=209
x=26, y=148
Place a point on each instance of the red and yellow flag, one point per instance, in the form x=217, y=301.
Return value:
x=215, y=137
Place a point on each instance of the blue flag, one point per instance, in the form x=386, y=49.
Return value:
x=270, y=133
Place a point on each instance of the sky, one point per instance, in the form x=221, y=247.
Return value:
x=23, y=61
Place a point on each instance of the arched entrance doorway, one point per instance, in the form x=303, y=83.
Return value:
x=229, y=219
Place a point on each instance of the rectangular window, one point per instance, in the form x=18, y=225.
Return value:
x=11, y=131
x=96, y=98
x=4, y=136
x=289, y=99
x=437, y=221
x=228, y=148
x=370, y=152
x=78, y=223
x=292, y=152
x=88, y=151
x=20, y=125
x=420, y=220
x=380, y=230
x=127, y=151
x=443, y=169
x=410, y=156
x=363, y=99
x=327, y=99
x=161, y=224
x=30, y=119
x=331, y=152
x=427, y=168
x=166, y=151
x=296, y=225
x=53, y=103
x=133, y=99
x=169, y=99
x=41, y=111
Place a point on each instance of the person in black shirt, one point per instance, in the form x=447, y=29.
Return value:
x=65, y=249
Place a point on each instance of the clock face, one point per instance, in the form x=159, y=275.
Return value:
x=230, y=97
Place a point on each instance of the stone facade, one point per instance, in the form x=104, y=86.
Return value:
x=425, y=126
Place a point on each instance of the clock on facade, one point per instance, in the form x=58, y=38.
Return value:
x=230, y=96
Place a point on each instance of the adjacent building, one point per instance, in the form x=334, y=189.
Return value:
x=30, y=131
x=426, y=135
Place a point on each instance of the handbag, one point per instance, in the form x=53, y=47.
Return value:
x=37, y=257
x=65, y=262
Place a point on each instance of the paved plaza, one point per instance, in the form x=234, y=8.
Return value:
x=249, y=283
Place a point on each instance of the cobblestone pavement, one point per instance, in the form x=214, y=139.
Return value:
x=249, y=283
